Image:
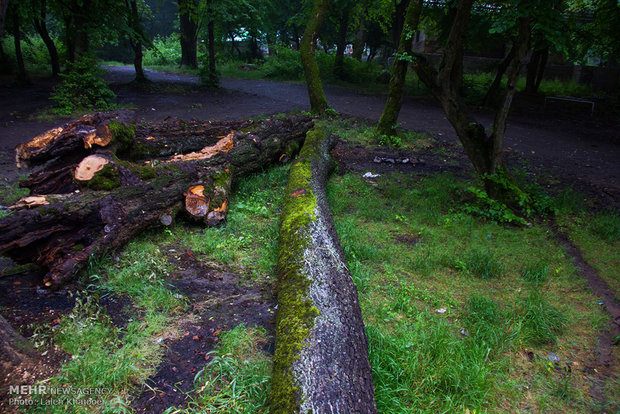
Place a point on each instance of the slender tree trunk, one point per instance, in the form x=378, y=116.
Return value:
x=358, y=43
x=342, y=44
x=387, y=122
x=69, y=37
x=213, y=78
x=3, y=8
x=318, y=102
x=493, y=91
x=536, y=70
x=41, y=28
x=484, y=150
x=189, y=33
x=135, y=40
x=22, y=76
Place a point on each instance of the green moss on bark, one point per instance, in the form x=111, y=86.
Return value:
x=105, y=180
x=296, y=311
x=123, y=135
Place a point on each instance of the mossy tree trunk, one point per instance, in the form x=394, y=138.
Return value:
x=389, y=117
x=484, y=149
x=318, y=102
x=131, y=178
x=321, y=357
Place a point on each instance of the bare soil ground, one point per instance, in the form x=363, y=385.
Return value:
x=218, y=302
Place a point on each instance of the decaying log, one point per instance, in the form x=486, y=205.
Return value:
x=321, y=356
x=105, y=204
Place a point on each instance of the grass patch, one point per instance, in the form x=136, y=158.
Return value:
x=248, y=241
x=480, y=263
x=104, y=356
x=10, y=192
x=597, y=236
x=358, y=132
x=236, y=380
x=470, y=356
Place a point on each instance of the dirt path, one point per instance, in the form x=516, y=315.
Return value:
x=604, y=364
x=579, y=149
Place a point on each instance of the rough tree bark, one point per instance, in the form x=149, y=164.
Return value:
x=483, y=149
x=131, y=177
x=387, y=122
x=189, y=33
x=40, y=26
x=493, y=92
x=318, y=102
x=321, y=356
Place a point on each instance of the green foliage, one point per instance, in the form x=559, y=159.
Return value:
x=481, y=263
x=513, y=202
x=236, y=380
x=82, y=88
x=542, y=322
x=484, y=206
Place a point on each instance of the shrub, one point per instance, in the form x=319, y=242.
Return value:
x=82, y=88
x=284, y=64
x=165, y=51
x=481, y=263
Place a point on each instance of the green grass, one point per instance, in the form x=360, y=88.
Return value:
x=104, y=356
x=10, y=192
x=598, y=238
x=236, y=380
x=470, y=357
x=359, y=132
x=248, y=241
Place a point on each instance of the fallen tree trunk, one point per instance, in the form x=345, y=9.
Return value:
x=321, y=356
x=108, y=197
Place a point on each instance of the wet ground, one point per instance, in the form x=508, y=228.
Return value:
x=575, y=146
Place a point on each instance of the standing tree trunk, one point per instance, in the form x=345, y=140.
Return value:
x=212, y=78
x=136, y=38
x=342, y=43
x=387, y=122
x=321, y=356
x=22, y=76
x=359, y=42
x=189, y=33
x=318, y=102
x=484, y=150
x=493, y=91
x=41, y=27
x=3, y=7
x=536, y=70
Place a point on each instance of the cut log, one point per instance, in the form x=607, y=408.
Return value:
x=321, y=355
x=89, y=166
x=60, y=232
